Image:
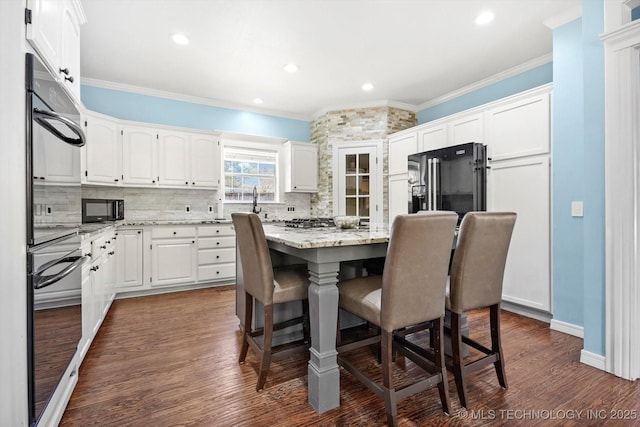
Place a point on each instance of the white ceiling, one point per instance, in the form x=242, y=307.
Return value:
x=413, y=51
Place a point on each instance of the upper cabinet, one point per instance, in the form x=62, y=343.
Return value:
x=447, y=132
x=519, y=127
x=139, y=155
x=205, y=161
x=302, y=167
x=102, y=155
x=401, y=145
x=54, y=32
x=126, y=153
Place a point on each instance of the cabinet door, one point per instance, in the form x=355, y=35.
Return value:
x=400, y=147
x=398, y=196
x=70, y=49
x=432, y=137
x=174, y=158
x=129, y=250
x=520, y=128
x=304, y=168
x=103, y=152
x=44, y=31
x=205, y=161
x=173, y=261
x=139, y=155
x=522, y=186
x=466, y=129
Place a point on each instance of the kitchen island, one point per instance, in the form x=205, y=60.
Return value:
x=324, y=249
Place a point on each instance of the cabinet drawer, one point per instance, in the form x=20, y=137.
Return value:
x=168, y=232
x=216, y=272
x=216, y=256
x=216, y=242
x=216, y=230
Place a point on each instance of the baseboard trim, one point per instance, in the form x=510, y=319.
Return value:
x=522, y=310
x=595, y=360
x=567, y=328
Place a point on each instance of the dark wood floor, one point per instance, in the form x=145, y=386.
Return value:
x=171, y=360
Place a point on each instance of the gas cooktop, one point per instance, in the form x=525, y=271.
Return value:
x=309, y=222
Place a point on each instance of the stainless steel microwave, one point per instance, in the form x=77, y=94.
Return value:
x=99, y=210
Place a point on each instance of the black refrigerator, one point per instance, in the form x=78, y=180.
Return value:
x=450, y=178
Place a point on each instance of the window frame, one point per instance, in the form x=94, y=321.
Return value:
x=272, y=147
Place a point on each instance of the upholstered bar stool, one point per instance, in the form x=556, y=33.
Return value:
x=410, y=291
x=269, y=286
x=476, y=282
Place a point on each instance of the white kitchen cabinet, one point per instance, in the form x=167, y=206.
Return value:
x=54, y=32
x=401, y=145
x=431, y=137
x=216, y=253
x=399, y=196
x=174, y=158
x=102, y=154
x=130, y=259
x=98, y=278
x=139, y=155
x=466, y=129
x=519, y=127
x=173, y=255
x=58, y=163
x=522, y=186
x=205, y=161
x=302, y=167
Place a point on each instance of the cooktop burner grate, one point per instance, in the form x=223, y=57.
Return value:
x=309, y=222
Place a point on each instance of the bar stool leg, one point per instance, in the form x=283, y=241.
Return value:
x=458, y=361
x=496, y=344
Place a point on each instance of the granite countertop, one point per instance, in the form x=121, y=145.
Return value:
x=322, y=237
x=140, y=222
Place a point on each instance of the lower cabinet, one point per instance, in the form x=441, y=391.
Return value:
x=98, y=284
x=130, y=259
x=216, y=253
x=522, y=186
x=173, y=255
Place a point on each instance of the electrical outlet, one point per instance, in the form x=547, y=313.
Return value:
x=48, y=210
x=187, y=208
x=291, y=208
x=210, y=208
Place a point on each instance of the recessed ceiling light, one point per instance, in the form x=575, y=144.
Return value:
x=367, y=87
x=485, y=17
x=180, y=39
x=291, y=68
x=257, y=101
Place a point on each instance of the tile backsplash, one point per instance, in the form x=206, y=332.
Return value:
x=167, y=204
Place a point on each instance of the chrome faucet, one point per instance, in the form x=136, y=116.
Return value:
x=255, y=209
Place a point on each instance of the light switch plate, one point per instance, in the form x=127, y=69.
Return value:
x=577, y=209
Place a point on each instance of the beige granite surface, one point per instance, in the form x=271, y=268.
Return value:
x=305, y=238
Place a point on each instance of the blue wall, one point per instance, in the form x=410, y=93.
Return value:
x=594, y=177
x=152, y=109
x=567, y=155
x=527, y=80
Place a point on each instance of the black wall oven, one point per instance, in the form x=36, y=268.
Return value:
x=54, y=314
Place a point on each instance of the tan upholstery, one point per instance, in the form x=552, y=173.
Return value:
x=410, y=291
x=268, y=286
x=479, y=260
x=476, y=282
x=415, y=273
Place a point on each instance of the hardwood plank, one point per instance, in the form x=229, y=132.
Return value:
x=171, y=359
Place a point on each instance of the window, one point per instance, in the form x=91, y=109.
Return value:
x=245, y=169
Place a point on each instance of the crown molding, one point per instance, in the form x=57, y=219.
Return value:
x=564, y=17
x=369, y=104
x=189, y=98
x=518, y=69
